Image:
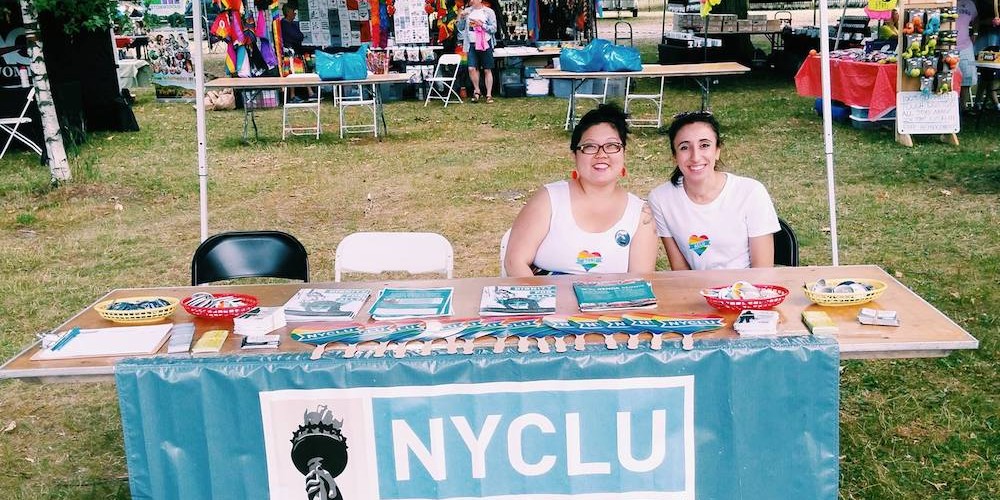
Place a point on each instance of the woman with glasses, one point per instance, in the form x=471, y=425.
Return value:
x=588, y=224
x=709, y=219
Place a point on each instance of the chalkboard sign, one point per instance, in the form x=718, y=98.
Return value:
x=919, y=113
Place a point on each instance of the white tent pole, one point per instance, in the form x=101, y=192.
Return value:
x=824, y=46
x=199, y=99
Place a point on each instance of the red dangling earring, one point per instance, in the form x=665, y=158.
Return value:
x=574, y=175
x=624, y=172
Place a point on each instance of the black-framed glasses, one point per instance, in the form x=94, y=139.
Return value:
x=609, y=148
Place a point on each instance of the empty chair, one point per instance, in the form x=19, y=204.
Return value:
x=366, y=100
x=246, y=254
x=441, y=86
x=654, y=99
x=311, y=106
x=503, y=253
x=9, y=126
x=600, y=97
x=380, y=252
x=786, y=246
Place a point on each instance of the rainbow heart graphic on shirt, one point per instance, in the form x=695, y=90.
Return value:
x=699, y=244
x=588, y=260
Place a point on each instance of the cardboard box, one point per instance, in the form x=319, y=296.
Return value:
x=744, y=26
x=758, y=25
x=729, y=26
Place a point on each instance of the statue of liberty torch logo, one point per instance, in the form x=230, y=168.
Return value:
x=319, y=452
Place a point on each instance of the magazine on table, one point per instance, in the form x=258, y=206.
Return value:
x=502, y=300
x=401, y=303
x=612, y=295
x=325, y=304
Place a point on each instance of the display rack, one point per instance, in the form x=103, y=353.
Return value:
x=927, y=103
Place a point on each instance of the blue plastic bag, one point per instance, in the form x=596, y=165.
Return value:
x=621, y=58
x=343, y=66
x=585, y=60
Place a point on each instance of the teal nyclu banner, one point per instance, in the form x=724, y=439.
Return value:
x=609, y=438
x=740, y=418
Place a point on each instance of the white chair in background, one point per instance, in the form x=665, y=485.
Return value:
x=381, y=252
x=445, y=75
x=655, y=99
x=10, y=125
x=599, y=97
x=503, y=253
x=367, y=99
x=312, y=106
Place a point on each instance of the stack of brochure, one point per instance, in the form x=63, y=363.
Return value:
x=325, y=304
x=751, y=322
x=612, y=295
x=503, y=300
x=259, y=321
x=401, y=303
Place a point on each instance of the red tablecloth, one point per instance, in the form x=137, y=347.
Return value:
x=869, y=85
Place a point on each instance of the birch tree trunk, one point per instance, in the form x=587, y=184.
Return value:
x=58, y=164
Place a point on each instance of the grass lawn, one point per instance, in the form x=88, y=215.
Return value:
x=910, y=428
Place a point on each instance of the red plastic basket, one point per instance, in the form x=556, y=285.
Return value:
x=741, y=304
x=249, y=302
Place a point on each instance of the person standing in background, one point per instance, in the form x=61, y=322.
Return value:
x=478, y=23
x=967, y=15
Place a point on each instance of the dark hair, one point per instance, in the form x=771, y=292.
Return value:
x=680, y=121
x=288, y=8
x=603, y=113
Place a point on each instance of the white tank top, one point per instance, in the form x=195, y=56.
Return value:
x=567, y=249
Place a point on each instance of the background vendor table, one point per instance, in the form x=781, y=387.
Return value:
x=925, y=331
x=863, y=84
x=133, y=73
x=263, y=83
x=697, y=71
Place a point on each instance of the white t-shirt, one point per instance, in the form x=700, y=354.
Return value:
x=567, y=249
x=716, y=235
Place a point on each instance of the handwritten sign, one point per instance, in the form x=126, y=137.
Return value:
x=919, y=113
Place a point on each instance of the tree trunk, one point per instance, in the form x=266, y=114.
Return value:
x=58, y=164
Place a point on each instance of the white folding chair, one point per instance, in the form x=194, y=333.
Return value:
x=311, y=106
x=367, y=100
x=10, y=125
x=600, y=98
x=503, y=253
x=381, y=252
x=445, y=75
x=655, y=99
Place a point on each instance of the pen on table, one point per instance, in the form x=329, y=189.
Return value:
x=65, y=339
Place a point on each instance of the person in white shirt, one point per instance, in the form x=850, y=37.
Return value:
x=709, y=219
x=589, y=224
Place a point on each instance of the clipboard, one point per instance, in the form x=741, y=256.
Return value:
x=103, y=342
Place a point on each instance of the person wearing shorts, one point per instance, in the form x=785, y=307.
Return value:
x=479, y=25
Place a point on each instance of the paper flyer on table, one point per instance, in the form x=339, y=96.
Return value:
x=325, y=304
x=401, y=303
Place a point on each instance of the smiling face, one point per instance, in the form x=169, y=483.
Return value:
x=601, y=167
x=696, y=149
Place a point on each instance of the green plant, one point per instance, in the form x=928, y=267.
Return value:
x=26, y=219
x=79, y=15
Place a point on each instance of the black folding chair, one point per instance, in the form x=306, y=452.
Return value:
x=786, y=246
x=248, y=254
